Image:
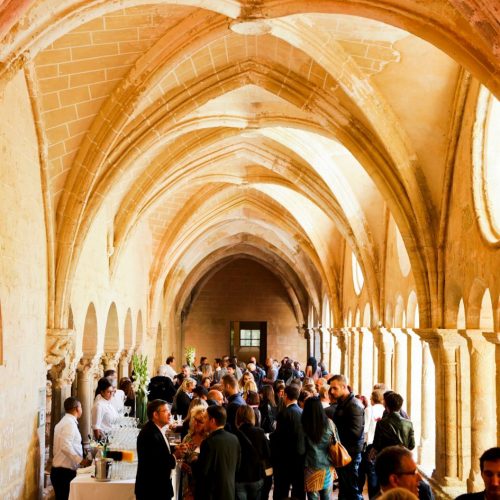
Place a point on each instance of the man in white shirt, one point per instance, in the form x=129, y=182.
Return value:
x=168, y=370
x=68, y=452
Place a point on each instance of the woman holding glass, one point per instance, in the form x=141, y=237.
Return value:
x=191, y=448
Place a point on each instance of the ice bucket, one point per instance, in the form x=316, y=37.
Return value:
x=103, y=469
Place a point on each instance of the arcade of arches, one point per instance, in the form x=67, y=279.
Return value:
x=331, y=168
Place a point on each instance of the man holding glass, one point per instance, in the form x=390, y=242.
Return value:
x=155, y=459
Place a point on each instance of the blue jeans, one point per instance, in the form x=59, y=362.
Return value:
x=348, y=480
x=249, y=491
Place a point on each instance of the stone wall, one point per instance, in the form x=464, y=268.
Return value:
x=23, y=297
x=243, y=291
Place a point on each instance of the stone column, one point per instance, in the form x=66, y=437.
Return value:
x=336, y=354
x=306, y=334
x=85, y=376
x=354, y=372
x=447, y=348
x=343, y=336
x=318, y=343
x=400, y=378
x=483, y=401
x=387, y=348
x=366, y=361
x=61, y=371
x=124, y=363
x=426, y=445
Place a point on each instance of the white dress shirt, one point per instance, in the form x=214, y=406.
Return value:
x=68, y=451
x=167, y=371
x=118, y=400
x=103, y=414
x=373, y=415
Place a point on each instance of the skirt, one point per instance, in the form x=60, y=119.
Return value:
x=318, y=479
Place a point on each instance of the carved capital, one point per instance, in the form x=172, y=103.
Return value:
x=126, y=356
x=88, y=366
x=60, y=345
x=304, y=332
x=60, y=356
x=110, y=360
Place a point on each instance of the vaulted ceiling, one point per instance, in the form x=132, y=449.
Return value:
x=270, y=129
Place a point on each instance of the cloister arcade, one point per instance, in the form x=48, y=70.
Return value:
x=329, y=167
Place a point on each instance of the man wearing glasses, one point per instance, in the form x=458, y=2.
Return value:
x=155, y=459
x=396, y=468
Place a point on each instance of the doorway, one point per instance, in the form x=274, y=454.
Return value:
x=248, y=338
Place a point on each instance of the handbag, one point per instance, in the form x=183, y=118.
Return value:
x=337, y=454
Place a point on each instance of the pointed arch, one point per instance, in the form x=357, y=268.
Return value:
x=127, y=330
x=112, y=331
x=461, y=317
x=90, y=333
x=486, y=312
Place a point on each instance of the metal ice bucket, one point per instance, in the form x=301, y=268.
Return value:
x=103, y=468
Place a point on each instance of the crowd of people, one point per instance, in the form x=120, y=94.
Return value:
x=249, y=431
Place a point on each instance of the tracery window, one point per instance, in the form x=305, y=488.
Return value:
x=486, y=165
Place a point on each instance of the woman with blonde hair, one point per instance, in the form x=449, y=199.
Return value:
x=191, y=448
x=246, y=377
x=182, y=398
x=249, y=386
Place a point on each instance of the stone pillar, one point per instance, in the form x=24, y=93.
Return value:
x=447, y=349
x=306, y=333
x=124, y=363
x=400, y=379
x=483, y=401
x=326, y=350
x=318, y=343
x=354, y=371
x=343, y=336
x=85, y=375
x=61, y=371
x=427, y=444
x=387, y=348
x=336, y=353
x=365, y=361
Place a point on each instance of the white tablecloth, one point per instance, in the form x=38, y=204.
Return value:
x=84, y=487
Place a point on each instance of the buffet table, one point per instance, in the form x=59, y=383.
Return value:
x=85, y=487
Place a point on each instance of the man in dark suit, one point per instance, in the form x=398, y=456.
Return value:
x=489, y=464
x=234, y=400
x=215, y=469
x=288, y=448
x=155, y=458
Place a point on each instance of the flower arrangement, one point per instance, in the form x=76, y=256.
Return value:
x=190, y=353
x=140, y=386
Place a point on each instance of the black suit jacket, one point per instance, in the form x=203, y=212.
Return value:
x=155, y=465
x=216, y=467
x=254, y=453
x=472, y=496
x=288, y=440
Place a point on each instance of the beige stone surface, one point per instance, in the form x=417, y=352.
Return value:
x=153, y=155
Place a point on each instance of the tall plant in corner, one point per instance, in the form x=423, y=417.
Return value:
x=140, y=386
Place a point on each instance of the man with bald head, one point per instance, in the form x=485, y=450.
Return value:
x=215, y=397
